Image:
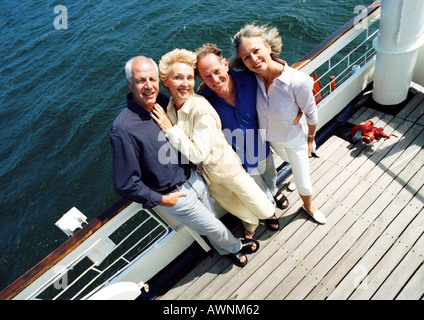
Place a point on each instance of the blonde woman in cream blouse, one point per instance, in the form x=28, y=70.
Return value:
x=193, y=127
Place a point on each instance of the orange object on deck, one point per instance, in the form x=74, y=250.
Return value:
x=370, y=133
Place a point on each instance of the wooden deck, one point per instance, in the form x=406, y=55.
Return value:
x=372, y=246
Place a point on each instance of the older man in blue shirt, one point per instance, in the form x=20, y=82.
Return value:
x=146, y=169
x=233, y=95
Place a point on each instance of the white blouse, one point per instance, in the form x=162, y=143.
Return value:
x=278, y=107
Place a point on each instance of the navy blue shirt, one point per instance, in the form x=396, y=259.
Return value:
x=144, y=162
x=240, y=123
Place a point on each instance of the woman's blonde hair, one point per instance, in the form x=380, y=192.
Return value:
x=175, y=56
x=269, y=35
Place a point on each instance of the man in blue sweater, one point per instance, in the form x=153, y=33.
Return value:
x=148, y=170
x=233, y=95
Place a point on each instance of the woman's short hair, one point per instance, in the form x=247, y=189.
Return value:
x=269, y=36
x=175, y=56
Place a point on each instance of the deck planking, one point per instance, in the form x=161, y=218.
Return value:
x=372, y=246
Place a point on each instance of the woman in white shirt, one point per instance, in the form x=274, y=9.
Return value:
x=193, y=127
x=281, y=92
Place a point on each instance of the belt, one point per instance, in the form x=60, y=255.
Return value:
x=175, y=188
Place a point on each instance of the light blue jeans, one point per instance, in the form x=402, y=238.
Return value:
x=196, y=211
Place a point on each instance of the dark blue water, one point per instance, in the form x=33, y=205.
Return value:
x=60, y=90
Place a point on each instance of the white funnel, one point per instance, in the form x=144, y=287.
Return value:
x=397, y=45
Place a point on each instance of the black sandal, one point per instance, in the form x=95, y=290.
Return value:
x=246, y=246
x=235, y=257
x=280, y=199
x=272, y=222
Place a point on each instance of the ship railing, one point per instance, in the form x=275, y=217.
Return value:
x=138, y=236
x=345, y=67
x=91, y=257
x=124, y=243
x=94, y=249
x=345, y=58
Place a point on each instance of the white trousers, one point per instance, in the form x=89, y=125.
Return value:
x=296, y=152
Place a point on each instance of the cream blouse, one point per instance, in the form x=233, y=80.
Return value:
x=198, y=135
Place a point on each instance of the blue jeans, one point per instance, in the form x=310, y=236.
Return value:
x=196, y=211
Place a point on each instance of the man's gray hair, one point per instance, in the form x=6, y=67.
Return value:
x=128, y=66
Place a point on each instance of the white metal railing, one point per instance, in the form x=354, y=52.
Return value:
x=333, y=76
x=363, y=25
x=92, y=274
x=349, y=47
